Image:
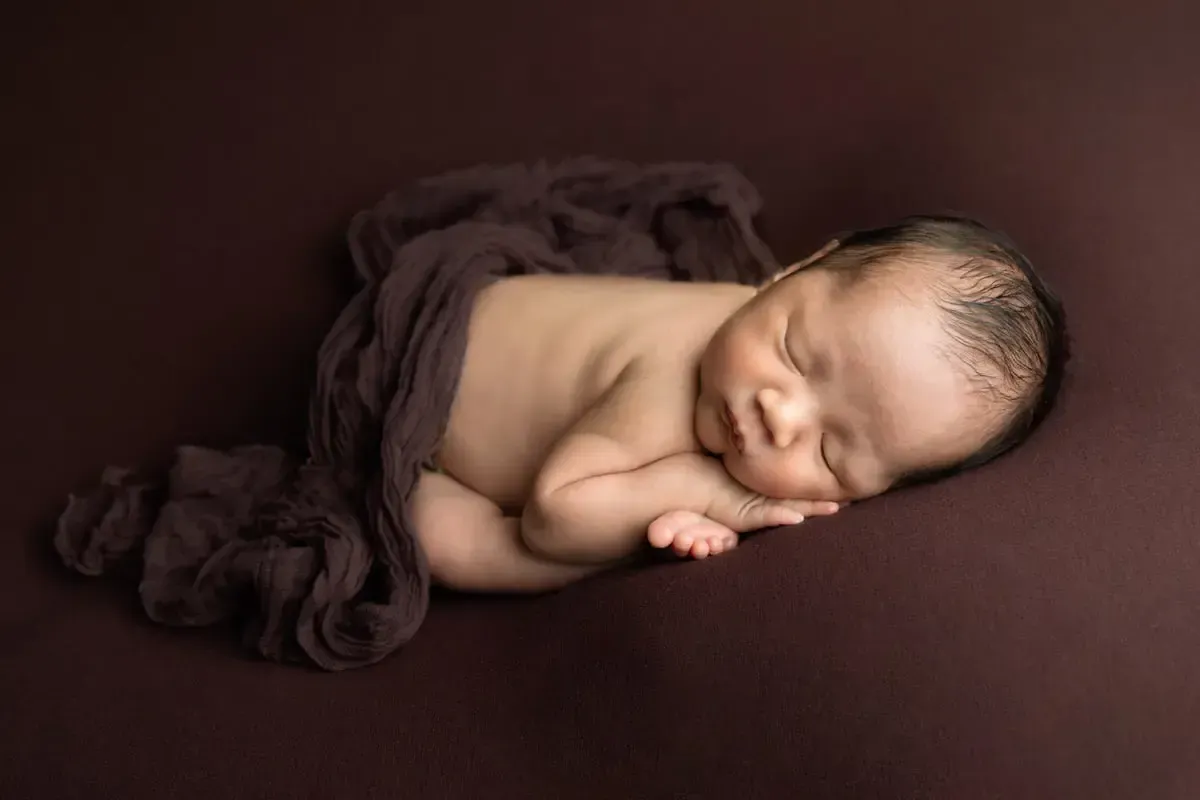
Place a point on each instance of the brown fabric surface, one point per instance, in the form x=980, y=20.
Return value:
x=320, y=555
x=178, y=182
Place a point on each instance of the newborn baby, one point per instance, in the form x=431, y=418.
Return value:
x=600, y=416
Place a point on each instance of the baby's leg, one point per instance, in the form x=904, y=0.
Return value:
x=473, y=547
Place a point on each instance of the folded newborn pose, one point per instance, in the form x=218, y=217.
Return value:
x=597, y=416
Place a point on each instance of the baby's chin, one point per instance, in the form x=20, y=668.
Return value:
x=735, y=465
x=711, y=444
x=744, y=473
x=708, y=432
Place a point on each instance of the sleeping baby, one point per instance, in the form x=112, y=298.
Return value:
x=600, y=417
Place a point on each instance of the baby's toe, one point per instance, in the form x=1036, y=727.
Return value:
x=682, y=543
x=700, y=549
x=660, y=535
x=663, y=532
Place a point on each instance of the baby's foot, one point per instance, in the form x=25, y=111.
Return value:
x=690, y=534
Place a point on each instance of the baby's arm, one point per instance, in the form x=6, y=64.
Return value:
x=620, y=468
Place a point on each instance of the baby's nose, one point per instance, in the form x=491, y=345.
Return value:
x=786, y=417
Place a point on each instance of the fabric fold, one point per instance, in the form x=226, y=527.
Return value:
x=315, y=553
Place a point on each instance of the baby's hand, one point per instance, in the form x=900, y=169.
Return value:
x=742, y=510
x=731, y=509
x=690, y=534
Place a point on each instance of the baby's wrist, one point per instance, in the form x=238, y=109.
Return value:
x=700, y=480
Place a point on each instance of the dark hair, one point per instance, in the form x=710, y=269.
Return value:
x=1009, y=326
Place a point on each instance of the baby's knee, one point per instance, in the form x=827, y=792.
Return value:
x=544, y=536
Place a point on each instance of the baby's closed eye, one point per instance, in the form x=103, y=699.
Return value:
x=786, y=354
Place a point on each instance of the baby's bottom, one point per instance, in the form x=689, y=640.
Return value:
x=471, y=546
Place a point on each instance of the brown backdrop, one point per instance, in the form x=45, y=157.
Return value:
x=177, y=179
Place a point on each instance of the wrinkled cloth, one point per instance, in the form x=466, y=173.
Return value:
x=315, y=554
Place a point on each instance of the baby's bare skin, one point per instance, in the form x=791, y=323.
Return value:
x=596, y=415
x=543, y=351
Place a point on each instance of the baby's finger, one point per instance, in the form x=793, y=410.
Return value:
x=778, y=513
x=814, y=508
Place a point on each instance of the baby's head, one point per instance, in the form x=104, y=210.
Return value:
x=893, y=356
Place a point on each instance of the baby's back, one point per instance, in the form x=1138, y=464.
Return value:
x=542, y=349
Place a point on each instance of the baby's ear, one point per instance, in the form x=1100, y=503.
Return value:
x=829, y=247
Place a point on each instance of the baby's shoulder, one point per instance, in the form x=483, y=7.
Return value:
x=596, y=288
x=605, y=319
x=604, y=308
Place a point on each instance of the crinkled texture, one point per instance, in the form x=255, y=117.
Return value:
x=318, y=557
